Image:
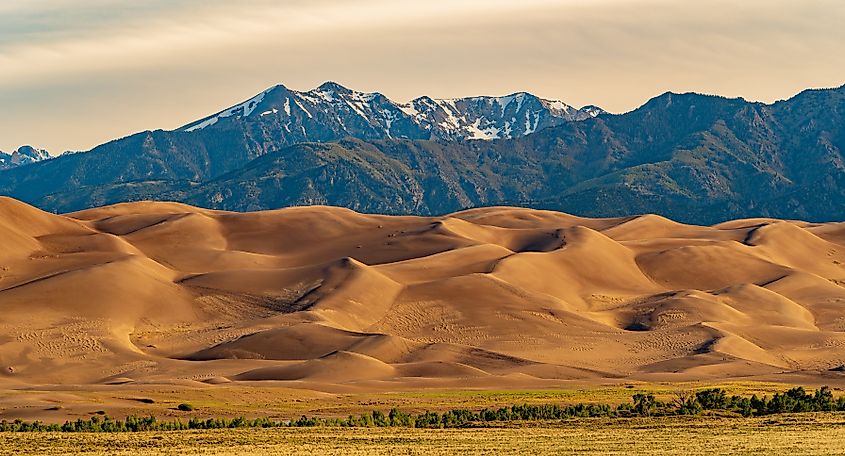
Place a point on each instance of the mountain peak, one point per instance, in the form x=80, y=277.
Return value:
x=277, y=88
x=593, y=110
x=668, y=98
x=32, y=152
x=331, y=86
x=23, y=155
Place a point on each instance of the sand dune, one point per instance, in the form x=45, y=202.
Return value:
x=318, y=295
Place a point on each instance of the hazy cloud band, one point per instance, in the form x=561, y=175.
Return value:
x=76, y=73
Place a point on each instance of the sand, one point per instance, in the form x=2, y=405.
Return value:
x=327, y=298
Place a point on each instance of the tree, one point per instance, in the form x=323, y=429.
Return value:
x=686, y=403
x=712, y=399
x=644, y=404
x=823, y=399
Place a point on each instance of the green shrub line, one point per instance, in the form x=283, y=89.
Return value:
x=795, y=400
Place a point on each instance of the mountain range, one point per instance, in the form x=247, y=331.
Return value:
x=332, y=111
x=695, y=158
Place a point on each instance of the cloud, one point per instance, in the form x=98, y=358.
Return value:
x=76, y=73
x=95, y=35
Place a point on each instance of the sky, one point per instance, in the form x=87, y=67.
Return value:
x=77, y=73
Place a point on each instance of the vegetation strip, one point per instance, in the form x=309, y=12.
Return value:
x=795, y=400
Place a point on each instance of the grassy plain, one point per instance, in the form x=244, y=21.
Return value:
x=242, y=399
x=805, y=434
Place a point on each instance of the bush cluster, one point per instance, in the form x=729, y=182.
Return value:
x=795, y=400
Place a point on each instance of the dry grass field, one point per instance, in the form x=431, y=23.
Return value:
x=810, y=434
x=60, y=403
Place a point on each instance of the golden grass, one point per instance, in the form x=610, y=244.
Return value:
x=806, y=434
x=254, y=401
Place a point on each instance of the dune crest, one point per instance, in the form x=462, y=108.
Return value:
x=158, y=291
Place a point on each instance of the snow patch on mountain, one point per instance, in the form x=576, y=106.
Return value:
x=242, y=110
x=593, y=111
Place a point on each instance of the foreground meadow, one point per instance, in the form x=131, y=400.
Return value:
x=810, y=434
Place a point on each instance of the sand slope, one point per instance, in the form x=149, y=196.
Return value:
x=166, y=292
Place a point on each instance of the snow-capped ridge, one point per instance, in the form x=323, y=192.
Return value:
x=331, y=111
x=23, y=155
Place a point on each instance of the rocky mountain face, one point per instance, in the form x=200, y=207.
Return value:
x=331, y=112
x=5, y=160
x=691, y=157
x=24, y=155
